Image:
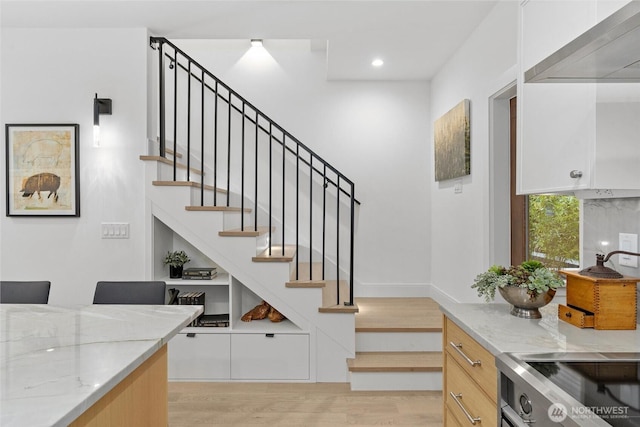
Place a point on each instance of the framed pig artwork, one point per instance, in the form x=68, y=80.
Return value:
x=42, y=169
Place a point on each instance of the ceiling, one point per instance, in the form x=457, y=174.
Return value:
x=414, y=38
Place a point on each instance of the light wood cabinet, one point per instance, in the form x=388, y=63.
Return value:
x=573, y=136
x=470, y=379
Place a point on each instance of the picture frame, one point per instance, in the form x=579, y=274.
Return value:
x=452, y=143
x=42, y=169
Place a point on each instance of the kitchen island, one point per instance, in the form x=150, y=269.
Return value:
x=88, y=364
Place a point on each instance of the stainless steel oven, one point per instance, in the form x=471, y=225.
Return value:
x=570, y=389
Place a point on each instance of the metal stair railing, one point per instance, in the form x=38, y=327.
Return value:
x=194, y=116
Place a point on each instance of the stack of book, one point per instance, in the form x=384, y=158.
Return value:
x=191, y=298
x=199, y=273
x=214, y=320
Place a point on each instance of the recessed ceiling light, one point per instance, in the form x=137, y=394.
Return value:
x=377, y=62
x=256, y=42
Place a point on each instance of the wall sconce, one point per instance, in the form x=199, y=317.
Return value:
x=256, y=42
x=100, y=106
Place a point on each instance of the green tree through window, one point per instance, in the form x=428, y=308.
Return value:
x=554, y=230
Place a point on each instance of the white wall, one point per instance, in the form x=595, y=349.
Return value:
x=51, y=76
x=376, y=133
x=460, y=234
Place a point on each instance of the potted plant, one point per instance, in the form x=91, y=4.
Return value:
x=176, y=260
x=527, y=286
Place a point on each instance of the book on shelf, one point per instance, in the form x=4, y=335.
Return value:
x=214, y=320
x=199, y=273
x=191, y=298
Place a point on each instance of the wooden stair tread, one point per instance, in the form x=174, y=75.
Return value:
x=398, y=315
x=169, y=162
x=248, y=231
x=188, y=184
x=215, y=209
x=339, y=309
x=276, y=254
x=396, y=361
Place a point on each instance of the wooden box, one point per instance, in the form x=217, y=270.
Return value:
x=600, y=303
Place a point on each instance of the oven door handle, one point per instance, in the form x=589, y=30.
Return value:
x=458, y=348
x=456, y=397
x=512, y=417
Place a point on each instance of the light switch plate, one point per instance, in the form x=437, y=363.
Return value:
x=115, y=230
x=629, y=243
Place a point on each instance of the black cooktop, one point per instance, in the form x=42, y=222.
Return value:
x=610, y=389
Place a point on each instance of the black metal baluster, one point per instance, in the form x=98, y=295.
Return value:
x=338, y=241
x=229, y=148
x=352, y=231
x=189, y=121
x=324, y=214
x=284, y=152
x=161, y=100
x=310, y=210
x=202, y=141
x=255, y=197
x=270, y=178
x=215, y=147
x=175, y=110
x=242, y=173
x=297, y=210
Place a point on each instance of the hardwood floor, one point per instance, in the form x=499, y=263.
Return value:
x=299, y=405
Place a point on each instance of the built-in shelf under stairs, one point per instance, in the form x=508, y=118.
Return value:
x=398, y=345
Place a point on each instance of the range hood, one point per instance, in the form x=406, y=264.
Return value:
x=609, y=52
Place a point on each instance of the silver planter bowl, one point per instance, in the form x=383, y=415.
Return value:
x=523, y=305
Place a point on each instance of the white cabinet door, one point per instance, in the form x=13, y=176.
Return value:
x=199, y=356
x=572, y=136
x=270, y=356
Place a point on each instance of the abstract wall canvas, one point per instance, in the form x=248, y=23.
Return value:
x=452, y=143
x=42, y=170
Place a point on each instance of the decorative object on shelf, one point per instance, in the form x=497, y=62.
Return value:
x=452, y=143
x=176, y=260
x=600, y=302
x=527, y=287
x=173, y=296
x=601, y=271
x=258, y=312
x=262, y=311
x=43, y=158
x=199, y=273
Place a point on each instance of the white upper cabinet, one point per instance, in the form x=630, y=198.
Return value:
x=573, y=136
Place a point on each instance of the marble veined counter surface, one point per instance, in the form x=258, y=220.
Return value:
x=500, y=332
x=56, y=362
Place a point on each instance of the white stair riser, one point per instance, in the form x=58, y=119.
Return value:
x=398, y=341
x=396, y=381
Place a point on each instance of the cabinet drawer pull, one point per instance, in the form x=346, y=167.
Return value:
x=191, y=335
x=575, y=174
x=269, y=335
x=458, y=348
x=457, y=397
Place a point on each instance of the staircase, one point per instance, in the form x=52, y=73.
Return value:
x=398, y=345
x=280, y=220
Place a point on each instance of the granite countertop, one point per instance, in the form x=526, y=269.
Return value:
x=500, y=332
x=55, y=362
